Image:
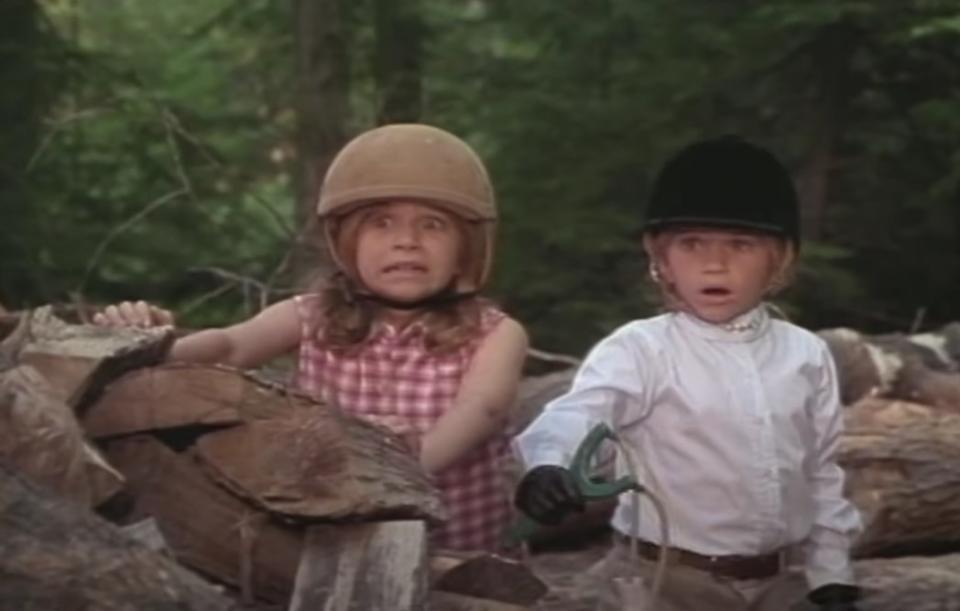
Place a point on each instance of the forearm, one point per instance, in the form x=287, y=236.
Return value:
x=207, y=346
x=458, y=433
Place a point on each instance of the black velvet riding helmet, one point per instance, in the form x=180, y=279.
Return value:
x=725, y=182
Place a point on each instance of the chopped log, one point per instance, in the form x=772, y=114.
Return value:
x=54, y=554
x=317, y=462
x=79, y=360
x=875, y=415
x=39, y=436
x=921, y=384
x=910, y=583
x=493, y=577
x=375, y=566
x=178, y=394
x=905, y=479
x=206, y=527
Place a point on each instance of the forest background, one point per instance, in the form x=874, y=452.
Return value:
x=172, y=150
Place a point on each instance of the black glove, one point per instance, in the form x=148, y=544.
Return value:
x=547, y=494
x=835, y=597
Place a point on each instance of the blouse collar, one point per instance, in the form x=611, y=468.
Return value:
x=744, y=328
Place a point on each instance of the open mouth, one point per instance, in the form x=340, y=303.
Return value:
x=715, y=291
x=405, y=268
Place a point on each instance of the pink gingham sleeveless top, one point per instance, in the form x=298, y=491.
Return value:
x=393, y=374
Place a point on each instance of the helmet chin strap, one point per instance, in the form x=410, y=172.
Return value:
x=441, y=298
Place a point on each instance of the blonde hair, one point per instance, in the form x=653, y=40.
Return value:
x=348, y=318
x=782, y=252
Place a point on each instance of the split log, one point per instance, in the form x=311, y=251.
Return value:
x=54, y=554
x=914, y=583
x=492, y=577
x=177, y=395
x=375, y=566
x=79, y=360
x=317, y=462
x=903, y=473
x=40, y=437
x=206, y=527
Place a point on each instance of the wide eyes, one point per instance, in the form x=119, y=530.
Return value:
x=428, y=222
x=695, y=243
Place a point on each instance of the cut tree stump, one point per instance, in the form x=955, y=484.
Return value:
x=78, y=360
x=903, y=474
x=375, y=566
x=206, y=527
x=55, y=554
x=317, y=462
x=40, y=437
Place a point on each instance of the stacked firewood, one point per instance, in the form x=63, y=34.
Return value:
x=130, y=484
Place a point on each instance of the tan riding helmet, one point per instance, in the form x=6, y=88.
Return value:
x=419, y=163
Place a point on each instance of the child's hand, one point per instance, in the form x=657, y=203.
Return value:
x=133, y=314
x=548, y=493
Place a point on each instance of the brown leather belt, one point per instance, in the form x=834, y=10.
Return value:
x=733, y=566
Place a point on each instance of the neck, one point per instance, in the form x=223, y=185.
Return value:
x=398, y=318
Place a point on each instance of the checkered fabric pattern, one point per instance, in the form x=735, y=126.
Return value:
x=393, y=375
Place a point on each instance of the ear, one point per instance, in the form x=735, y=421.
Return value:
x=784, y=255
x=653, y=246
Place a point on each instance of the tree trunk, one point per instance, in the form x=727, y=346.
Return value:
x=832, y=53
x=323, y=107
x=57, y=555
x=398, y=60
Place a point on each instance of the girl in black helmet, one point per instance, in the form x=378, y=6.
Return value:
x=734, y=415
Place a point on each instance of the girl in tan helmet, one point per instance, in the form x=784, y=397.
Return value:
x=399, y=335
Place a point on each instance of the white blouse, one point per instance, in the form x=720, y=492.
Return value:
x=735, y=428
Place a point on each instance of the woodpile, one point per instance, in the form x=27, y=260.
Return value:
x=219, y=490
x=128, y=484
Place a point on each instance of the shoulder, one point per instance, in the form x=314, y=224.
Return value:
x=797, y=336
x=644, y=333
x=308, y=308
x=801, y=344
x=505, y=331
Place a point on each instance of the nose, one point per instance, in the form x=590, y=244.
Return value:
x=715, y=257
x=406, y=236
